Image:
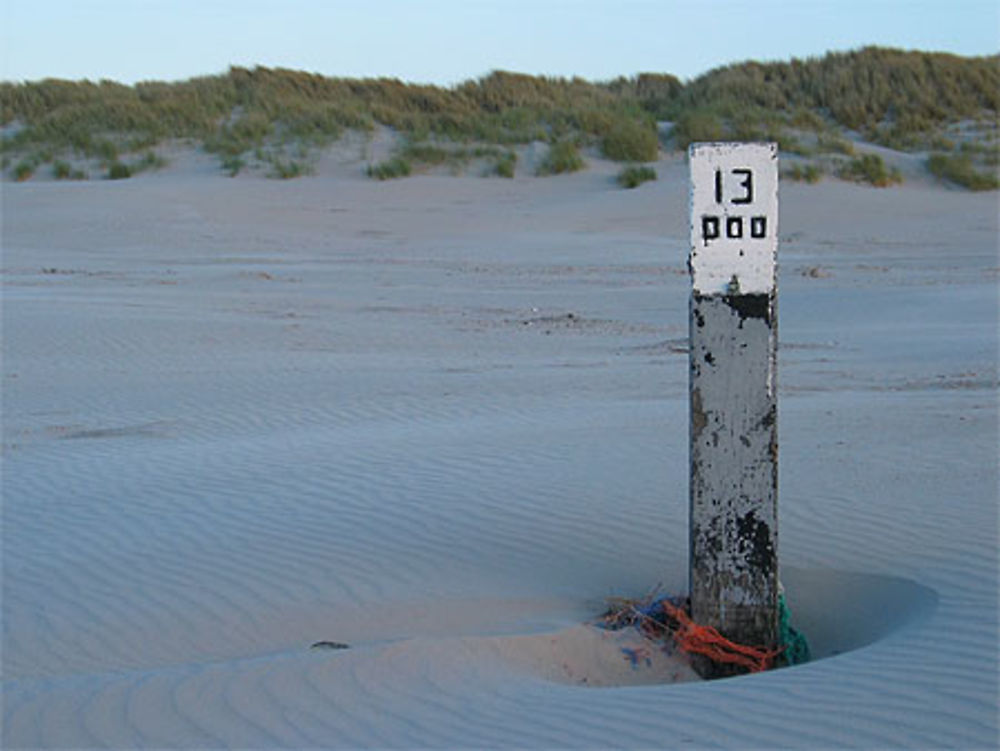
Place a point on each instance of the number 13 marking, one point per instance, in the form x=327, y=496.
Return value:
x=746, y=183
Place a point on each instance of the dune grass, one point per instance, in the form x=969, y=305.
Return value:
x=870, y=169
x=834, y=144
x=23, y=170
x=635, y=175
x=412, y=157
x=808, y=173
x=390, y=169
x=865, y=88
x=562, y=157
x=960, y=170
x=286, y=169
x=630, y=140
x=505, y=164
x=897, y=98
x=119, y=171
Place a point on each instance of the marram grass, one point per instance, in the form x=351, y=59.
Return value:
x=898, y=98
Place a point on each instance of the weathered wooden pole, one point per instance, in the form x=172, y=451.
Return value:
x=733, y=346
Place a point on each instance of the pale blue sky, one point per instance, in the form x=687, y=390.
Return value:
x=448, y=41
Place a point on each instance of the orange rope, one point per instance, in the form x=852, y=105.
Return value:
x=705, y=640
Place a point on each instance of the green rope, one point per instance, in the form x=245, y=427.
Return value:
x=795, y=644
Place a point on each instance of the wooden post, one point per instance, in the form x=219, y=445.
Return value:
x=733, y=345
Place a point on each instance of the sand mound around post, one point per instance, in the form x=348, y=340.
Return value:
x=837, y=611
x=840, y=611
x=587, y=655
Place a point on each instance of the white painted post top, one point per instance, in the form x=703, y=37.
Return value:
x=734, y=218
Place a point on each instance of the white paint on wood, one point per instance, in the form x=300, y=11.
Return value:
x=734, y=442
x=734, y=217
x=734, y=470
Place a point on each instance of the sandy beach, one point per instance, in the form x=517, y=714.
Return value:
x=439, y=421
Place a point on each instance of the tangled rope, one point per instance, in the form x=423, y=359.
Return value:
x=665, y=617
x=706, y=640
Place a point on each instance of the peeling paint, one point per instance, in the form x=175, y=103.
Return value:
x=733, y=468
x=755, y=535
x=698, y=419
x=751, y=306
x=734, y=445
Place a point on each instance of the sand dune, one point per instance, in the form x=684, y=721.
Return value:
x=440, y=421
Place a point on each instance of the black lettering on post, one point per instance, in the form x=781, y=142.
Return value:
x=734, y=226
x=758, y=227
x=718, y=186
x=709, y=228
x=746, y=184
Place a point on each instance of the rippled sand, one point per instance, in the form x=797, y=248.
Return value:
x=441, y=420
